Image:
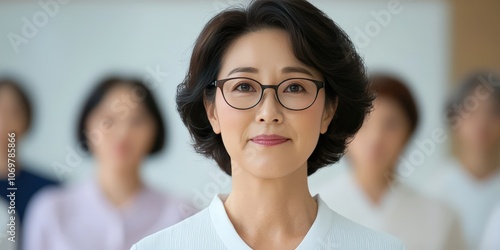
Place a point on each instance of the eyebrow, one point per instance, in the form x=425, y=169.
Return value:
x=296, y=70
x=284, y=70
x=243, y=70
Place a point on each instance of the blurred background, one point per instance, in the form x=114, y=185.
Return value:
x=59, y=50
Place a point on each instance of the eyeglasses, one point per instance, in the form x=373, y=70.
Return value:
x=293, y=93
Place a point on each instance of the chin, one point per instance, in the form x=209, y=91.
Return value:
x=270, y=170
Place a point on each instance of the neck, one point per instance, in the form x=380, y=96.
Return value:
x=118, y=185
x=481, y=165
x=373, y=185
x=271, y=211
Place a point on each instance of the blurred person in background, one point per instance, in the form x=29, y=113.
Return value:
x=16, y=117
x=470, y=183
x=120, y=125
x=370, y=194
x=491, y=237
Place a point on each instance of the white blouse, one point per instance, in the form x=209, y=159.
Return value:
x=420, y=222
x=491, y=238
x=80, y=217
x=212, y=229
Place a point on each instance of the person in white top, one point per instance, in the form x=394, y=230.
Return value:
x=470, y=183
x=491, y=239
x=273, y=93
x=369, y=193
x=121, y=125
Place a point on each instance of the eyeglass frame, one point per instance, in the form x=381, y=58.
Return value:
x=220, y=84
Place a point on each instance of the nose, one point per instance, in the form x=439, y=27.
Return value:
x=269, y=109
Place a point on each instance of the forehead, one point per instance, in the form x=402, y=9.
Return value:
x=387, y=107
x=268, y=50
x=118, y=97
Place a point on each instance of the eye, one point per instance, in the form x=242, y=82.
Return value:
x=244, y=87
x=294, y=88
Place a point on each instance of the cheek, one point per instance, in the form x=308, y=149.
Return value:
x=466, y=129
x=307, y=125
x=16, y=125
x=233, y=123
x=496, y=128
x=394, y=143
x=141, y=137
x=100, y=138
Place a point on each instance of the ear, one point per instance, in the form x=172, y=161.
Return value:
x=328, y=114
x=212, y=115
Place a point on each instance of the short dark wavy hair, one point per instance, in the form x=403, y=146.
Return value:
x=393, y=87
x=316, y=41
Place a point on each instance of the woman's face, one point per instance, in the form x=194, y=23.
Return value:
x=383, y=136
x=479, y=126
x=122, y=129
x=266, y=56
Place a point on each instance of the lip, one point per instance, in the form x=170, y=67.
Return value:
x=269, y=140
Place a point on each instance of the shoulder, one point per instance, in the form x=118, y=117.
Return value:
x=48, y=197
x=494, y=220
x=54, y=200
x=490, y=238
x=43, y=208
x=171, y=202
x=447, y=175
x=421, y=202
x=347, y=234
x=335, y=187
x=194, y=232
x=35, y=179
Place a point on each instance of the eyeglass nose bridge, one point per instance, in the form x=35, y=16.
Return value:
x=275, y=87
x=264, y=87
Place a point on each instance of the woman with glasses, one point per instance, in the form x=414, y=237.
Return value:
x=272, y=94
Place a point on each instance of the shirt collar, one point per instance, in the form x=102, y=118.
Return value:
x=314, y=238
x=223, y=225
x=319, y=230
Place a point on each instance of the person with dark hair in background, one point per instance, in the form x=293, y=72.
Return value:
x=369, y=193
x=16, y=117
x=470, y=183
x=120, y=125
x=272, y=94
